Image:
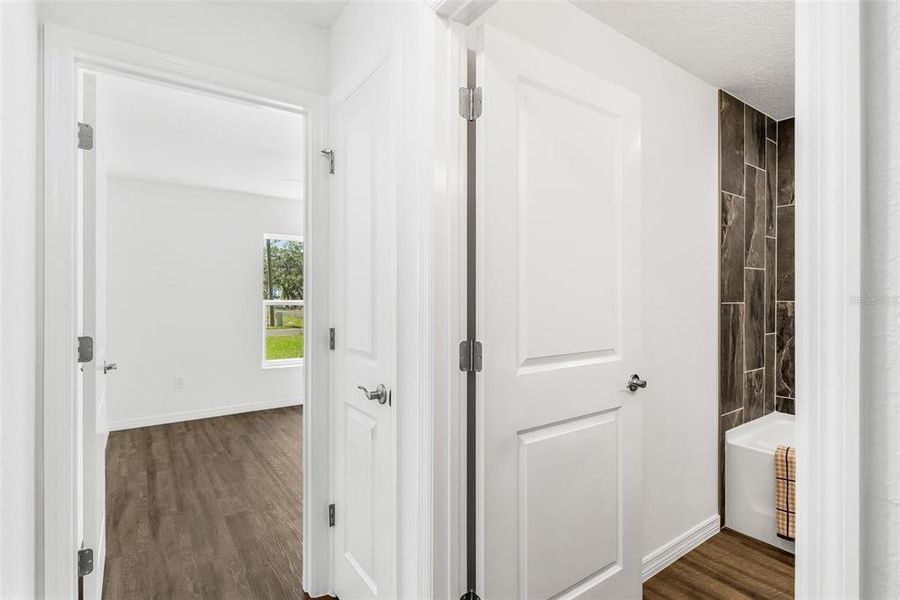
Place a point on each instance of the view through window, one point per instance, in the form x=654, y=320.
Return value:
x=282, y=300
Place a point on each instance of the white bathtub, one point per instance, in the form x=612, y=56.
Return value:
x=750, y=476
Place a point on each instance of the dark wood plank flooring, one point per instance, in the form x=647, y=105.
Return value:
x=728, y=565
x=212, y=509
x=208, y=509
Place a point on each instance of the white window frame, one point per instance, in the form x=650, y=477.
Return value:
x=284, y=362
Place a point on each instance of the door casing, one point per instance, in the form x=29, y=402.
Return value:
x=67, y=52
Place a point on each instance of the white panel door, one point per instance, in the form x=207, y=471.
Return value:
x=364, y=239
x=558, y=313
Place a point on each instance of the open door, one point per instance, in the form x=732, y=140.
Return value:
x=364, y=240
x=91, y=277
x=558, y=313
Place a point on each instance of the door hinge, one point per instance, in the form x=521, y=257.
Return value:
x=331, y=515
x=85, y=349
x=470, y=356
x=470, y=103
x=329, y=154
x=85, y=137
x=85, y=562
x=331, y=338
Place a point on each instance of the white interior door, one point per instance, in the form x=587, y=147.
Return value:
x=364, y=236
x=558, y=312
x=92, y=322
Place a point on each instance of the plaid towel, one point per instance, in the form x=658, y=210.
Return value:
x=785, y=492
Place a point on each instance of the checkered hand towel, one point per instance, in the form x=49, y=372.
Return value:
x=785, y=492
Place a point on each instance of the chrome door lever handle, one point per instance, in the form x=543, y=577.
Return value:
x=107, y=367
x=635, y=382
x=379, y=393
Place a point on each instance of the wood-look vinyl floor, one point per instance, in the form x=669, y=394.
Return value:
x=208, y=509
x=727, y=566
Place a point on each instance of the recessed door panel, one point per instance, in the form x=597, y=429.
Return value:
x=569, y=172
x=568, y=537
x=360, y=235
x=359, y=507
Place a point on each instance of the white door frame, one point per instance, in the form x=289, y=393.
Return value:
x=65, y=52
x=447, y=257
x=828, y=190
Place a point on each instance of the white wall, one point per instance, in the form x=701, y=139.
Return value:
x=19, y=414
x=247, y=37
x=185, y=301
x=680, y=249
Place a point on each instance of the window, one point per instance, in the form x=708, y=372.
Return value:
x=282, y=281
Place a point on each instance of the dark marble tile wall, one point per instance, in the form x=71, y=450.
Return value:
x=756, y=268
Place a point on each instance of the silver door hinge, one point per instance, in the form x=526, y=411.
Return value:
x=85, y=562
x=328, y=153
x=470, y=103
x=85, y=349
x=470, y=356
x=331, y=515
x=331, y=338
x=85, y=137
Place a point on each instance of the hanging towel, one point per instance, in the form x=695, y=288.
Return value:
x=785, y=492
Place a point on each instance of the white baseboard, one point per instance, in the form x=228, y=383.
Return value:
x=665, y=555
x=204, y=413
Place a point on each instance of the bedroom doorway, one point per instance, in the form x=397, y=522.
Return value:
x=194, y=237
x=179, y=259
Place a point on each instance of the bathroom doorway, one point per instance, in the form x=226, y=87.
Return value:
x=670, y=380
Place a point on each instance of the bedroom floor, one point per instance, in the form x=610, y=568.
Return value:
x=727, y=566
x=206, y=509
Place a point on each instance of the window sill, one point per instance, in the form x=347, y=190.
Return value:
x=282, y=364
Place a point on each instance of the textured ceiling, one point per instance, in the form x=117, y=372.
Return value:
x=315, y=12
x=744, y=47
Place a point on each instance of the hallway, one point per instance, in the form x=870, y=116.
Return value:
x=207, y=509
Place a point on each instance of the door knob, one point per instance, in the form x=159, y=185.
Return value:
x=635, y=382
x=107, y=367
x=380, y=393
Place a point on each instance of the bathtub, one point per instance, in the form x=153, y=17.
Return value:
x=750, y=476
